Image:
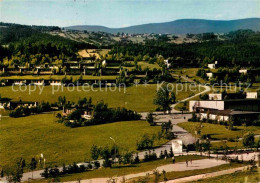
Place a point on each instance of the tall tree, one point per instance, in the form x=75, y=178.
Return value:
x=33, y=165
x=164, y=98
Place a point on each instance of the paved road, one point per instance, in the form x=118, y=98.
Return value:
x=207, y=175
x=181, y=166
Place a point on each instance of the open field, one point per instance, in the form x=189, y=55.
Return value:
x=139, y=98
x=190, y=73
x=30, y=136
x=235, y=177
x=219, y=132
x=144, y=65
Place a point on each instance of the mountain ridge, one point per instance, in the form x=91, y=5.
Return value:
x=181, y=26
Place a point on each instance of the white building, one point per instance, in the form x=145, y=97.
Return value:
x=168, y=65
x=243, y=71
x=212, y=66
x=215, y=96
x=251, y=95
x=209, y=75
x=226, y=115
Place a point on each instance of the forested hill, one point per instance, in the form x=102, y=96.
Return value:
x=23, y=44
x=238, y=48
x=184, y=26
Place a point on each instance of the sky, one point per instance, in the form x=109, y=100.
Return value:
x=122, y=13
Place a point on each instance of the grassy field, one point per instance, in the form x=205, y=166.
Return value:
x=144, y=65
x=251, y=177
x=190, y=73
x=138, y=98
x=219, y=132
x=30, y=136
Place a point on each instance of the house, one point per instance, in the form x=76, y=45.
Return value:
x=252, y=95
x=14, y=104
x=85, y=110
x=167, y=63
x=215, y=96
x=212, y=66
x=4, y=102
x=243, y=71
x=209, y=75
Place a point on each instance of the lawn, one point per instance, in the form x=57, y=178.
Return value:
x=219, y=132
x=144, y=65
x=190, y=73
x=30, y=136
x=234, y=177
x=139, y=98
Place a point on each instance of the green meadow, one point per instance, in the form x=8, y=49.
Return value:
x=139, y=98
x=30, y=136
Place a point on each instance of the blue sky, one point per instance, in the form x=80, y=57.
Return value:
x=121, y=13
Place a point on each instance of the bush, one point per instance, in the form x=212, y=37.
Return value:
x=146, y=142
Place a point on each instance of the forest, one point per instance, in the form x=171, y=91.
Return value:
x=29, y=44
x=238, y=48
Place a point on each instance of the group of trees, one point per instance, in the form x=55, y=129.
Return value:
x=26, y=111
x=101, y=114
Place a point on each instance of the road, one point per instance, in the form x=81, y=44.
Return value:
x=181, y=166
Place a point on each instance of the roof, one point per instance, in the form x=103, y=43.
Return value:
x=232, y=100
x=227, y=112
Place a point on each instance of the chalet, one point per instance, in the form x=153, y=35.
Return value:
x=85, y=111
